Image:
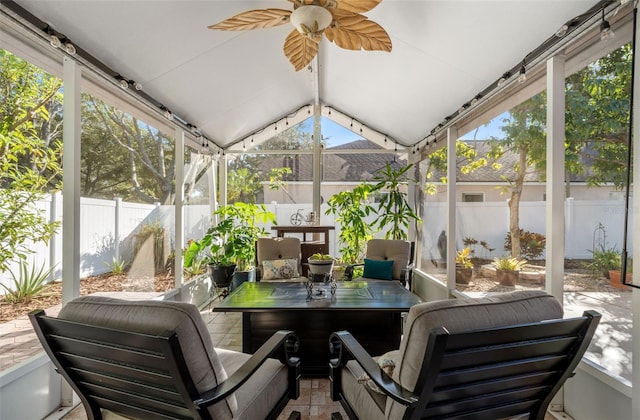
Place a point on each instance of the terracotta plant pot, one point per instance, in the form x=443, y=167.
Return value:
x=615, y=279
x=464, y=275
x=507, y=278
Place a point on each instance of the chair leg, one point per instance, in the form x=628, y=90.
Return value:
x=295, y=415
x=336, y=416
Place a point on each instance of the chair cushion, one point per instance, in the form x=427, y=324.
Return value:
x=155, y=317
x=366, y=403
x=381, y=270
x=256, y=397
x=457, y=315
x=388, y=249
x=279, y=269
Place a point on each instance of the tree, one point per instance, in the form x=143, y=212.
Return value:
x=596, y=131
x=525, y=137
x=30, y=153
x=467, y=161
x=140, y=162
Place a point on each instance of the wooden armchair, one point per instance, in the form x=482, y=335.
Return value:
x=486, y=358
x=155, y=359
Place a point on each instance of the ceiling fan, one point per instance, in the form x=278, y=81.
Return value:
x=339, y=20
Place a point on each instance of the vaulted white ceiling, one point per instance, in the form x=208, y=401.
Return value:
x=231, y=84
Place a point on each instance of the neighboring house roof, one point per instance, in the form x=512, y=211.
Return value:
x=350, y=167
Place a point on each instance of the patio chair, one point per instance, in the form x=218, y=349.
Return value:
x=279, y=259
x=485, y=358
x=155, y=359
x=386, y=259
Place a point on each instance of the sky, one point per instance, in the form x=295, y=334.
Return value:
x=335, y=134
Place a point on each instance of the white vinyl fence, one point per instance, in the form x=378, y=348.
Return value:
x=102, y=221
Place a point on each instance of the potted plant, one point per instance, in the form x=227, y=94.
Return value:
x=394, y=211
x=351, y=209
x=320, y=264
x=229, y=247
x=464, y=266
x=508, y=269
x=615, y=276
x=604, y=260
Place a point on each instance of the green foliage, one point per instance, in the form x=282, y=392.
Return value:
x=463, y=258
x=394, y=211
x=30, y=153
x=141, y=159
x=531, y=244
x=321, y=257
x=197, y=267
x=232, y=240
x=28, y=283
x=603, y=260
x=351, y=208
x=509, y=263
x=116, y=265
x=467, y=161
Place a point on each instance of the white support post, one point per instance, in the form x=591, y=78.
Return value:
x=452, y=136
x=179, y=201
x=317, y=159
x=555, y=205
x=53, y=242
x=70, y=193
x=222, y=178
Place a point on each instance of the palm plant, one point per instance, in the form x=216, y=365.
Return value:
x=394, y=211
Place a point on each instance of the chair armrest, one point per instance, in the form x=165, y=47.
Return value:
x=347, y=348
x=281, y=343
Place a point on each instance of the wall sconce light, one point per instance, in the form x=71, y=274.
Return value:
x=503, y=79
x=124, y=83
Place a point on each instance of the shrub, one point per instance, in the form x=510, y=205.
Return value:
x=28, y=283
x=508, y=263
x=531, y=244
x=604, y=259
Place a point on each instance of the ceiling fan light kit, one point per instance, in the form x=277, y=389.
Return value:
x=339, y=20
x=311, y=20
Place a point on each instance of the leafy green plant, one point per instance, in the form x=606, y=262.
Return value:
x=509, y=263
x=603, y=260
x=463, y=258
x=394, y=211
x=29, y=282
x=531, y=244
x=472, y=243
x=232, y=240
x=116, y=265
x=351, y=208
x=321, y=257
x=197, y=267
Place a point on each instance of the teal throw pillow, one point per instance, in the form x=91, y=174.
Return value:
x=381, y=270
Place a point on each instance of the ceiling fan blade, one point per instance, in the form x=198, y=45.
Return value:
x=300, y=49
x=357, y=6
x=355, y=32
x=254, y=19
